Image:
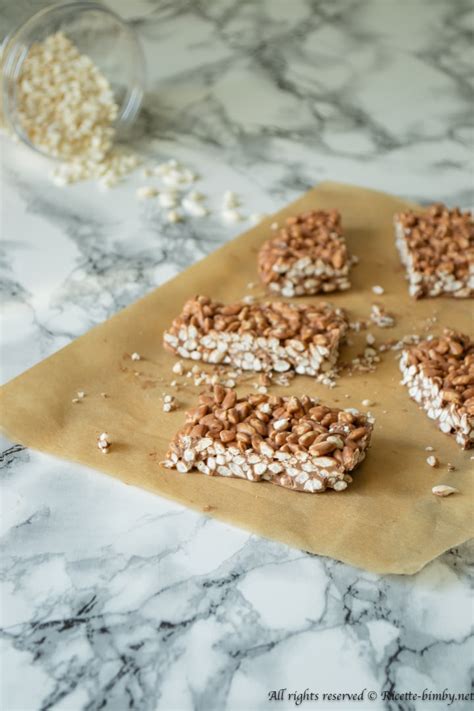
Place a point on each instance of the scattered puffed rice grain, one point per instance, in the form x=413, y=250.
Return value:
x=196, y=196
x=173, y=216
x=169, y=403
x=146, y=192
x=379, y=290
x=135, y=356
x=257, y=217
x=230, y=199
x=168, y=199
x=193, y=208
x=444, y=490
x=231, y=215
x=432, y=461
x=103, y=442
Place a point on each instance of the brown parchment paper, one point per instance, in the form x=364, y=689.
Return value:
x=387, y=521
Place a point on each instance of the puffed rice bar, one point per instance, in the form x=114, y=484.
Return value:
x=439, y=375
x=293, y=442
x=437, y=249
x=260, y=337
x=307, y=256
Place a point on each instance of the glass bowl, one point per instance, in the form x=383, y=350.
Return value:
x=97, y=32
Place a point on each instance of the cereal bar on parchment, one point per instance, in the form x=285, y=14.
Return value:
x=306, y=256
x=261, y=337
x=293, y=442
x=439, y=375
x=437, y=249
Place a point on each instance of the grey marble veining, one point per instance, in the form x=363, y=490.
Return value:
x=112, y=598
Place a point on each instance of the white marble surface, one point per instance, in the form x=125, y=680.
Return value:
x=116, y=599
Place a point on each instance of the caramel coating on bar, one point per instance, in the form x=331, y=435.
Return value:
x=318, y=323
x=440, y=240
x=315, y=234
x=267, y=424
x=449, y=361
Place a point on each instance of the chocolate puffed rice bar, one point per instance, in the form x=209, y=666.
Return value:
x=260, y=337
x=439, y=374
x=307, y=256
x=437, y=249
x=293, y=442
